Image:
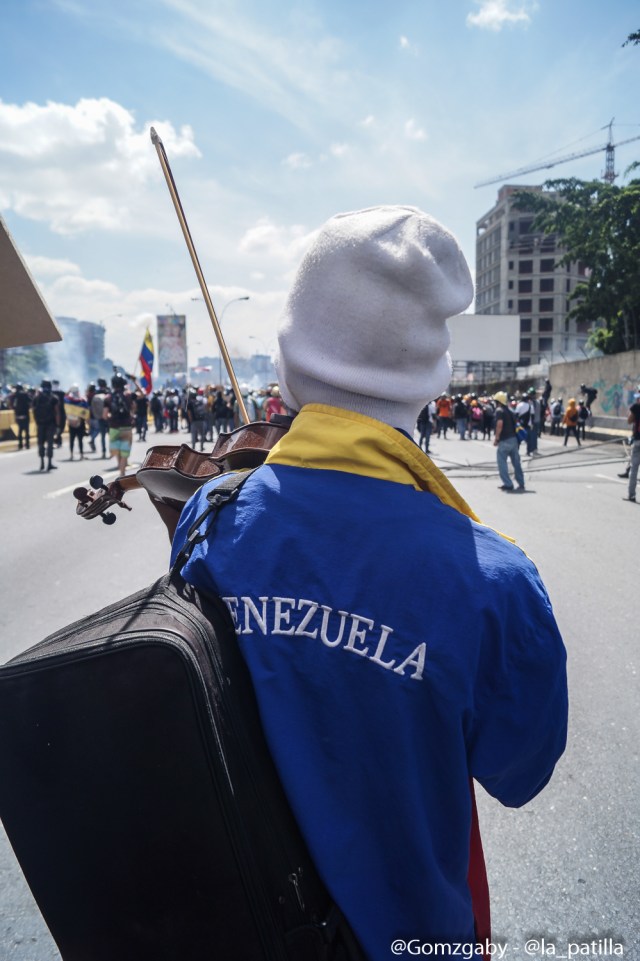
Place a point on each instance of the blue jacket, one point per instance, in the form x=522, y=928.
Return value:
x=397, y=647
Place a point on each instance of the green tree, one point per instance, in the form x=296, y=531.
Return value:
x=599, y=226
x=25, y=365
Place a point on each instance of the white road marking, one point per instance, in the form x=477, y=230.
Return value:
x=107, y=476
x=616, y=480
x=65, y=490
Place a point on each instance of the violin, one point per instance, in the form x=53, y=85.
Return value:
x=171, y=474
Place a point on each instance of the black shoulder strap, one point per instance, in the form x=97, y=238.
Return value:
x=225, y=492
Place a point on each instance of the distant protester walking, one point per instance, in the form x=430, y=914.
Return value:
x=571, y=420
x=507, y=443
x=634, y=420
x=76, y=409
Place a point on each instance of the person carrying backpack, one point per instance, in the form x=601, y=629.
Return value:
x=118, y=408
x=476, y=417
x=557, y=413
x=583, y=417
x=570, y=421
x=382, y=695
x=46, y=413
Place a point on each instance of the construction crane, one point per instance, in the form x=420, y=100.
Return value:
x=609, y=171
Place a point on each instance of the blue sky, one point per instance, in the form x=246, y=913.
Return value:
x=275, y=116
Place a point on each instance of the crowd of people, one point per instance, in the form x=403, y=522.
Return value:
x=103, y=419
x=473, y=416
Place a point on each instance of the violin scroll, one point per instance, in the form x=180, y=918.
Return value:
x=95, y=500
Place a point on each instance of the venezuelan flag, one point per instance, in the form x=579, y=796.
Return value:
x=146, y=362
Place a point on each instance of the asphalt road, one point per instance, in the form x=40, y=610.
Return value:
x=563, y=871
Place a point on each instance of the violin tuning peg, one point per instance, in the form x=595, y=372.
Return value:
x=109, y=518
x=96, y=482
x=81, y=494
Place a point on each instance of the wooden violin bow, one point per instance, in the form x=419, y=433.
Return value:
x=164, y=163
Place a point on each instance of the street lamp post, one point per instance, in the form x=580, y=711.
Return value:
x=234, y=301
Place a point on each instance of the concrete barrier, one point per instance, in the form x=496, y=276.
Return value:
x=8, y=429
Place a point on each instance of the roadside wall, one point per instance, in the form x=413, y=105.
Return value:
x=616, y=377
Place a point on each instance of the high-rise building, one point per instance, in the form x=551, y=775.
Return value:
x=79, y=356
x=517, y=273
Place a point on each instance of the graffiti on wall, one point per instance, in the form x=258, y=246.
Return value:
x=615, y=399
x=616, y=377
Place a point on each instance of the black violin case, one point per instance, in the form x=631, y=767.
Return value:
x=139, y=796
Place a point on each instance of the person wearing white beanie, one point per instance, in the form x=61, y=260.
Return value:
x=364, y=327
x=398, y=648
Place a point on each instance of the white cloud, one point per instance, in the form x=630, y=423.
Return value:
x=51, y=267
x=368, y=121
x=405, y=44
x=413, y=132
x=495, y=14
x=297, y=161
x=283, y=245
x=82, y=166
x=339, y=149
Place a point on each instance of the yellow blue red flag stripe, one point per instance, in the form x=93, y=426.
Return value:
x=146, y=362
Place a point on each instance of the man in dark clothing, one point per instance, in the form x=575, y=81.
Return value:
x=507, y=443
x=583, y=416
x=590, y=395
x=461, y=415
x=20, y=403
x=157, y=411
x=142, y=413
x=46, y=412
x=634, y=420
x=197, y=416
x=173, y=407
x=424, y=425
x=62, y=417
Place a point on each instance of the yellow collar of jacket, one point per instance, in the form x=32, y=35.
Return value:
x=331, y=438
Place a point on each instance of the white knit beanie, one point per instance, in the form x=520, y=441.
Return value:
x=364, y=326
